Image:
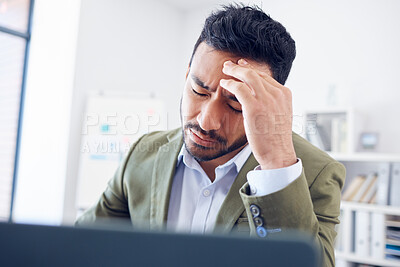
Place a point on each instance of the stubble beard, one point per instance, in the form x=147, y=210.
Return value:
x=202, y=153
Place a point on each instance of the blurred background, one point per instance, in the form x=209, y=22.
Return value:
x=80, y=74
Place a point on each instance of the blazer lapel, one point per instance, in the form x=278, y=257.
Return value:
x=163, y=174
x=232, y=206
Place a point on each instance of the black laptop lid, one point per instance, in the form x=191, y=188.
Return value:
x=34, y=245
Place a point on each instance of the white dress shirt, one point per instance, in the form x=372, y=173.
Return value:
x=195, y=200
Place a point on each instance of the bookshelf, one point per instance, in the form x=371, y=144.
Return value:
x=365, y=157
x=331, y=129
x=370, y=208
x=362, y=233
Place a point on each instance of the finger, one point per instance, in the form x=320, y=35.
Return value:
x=263, y=73
x=252, y=79
x=244, y=74
x=266, y=75
x=242, y=92
x=273, y=86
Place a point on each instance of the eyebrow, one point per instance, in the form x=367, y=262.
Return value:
x=202, y=85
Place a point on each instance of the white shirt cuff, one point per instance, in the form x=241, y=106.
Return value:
x=265, y=182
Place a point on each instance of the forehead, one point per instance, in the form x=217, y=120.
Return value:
x=209, y=61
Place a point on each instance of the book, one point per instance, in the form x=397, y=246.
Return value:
x=373, y=198
x=353, y=187
x=382, y=195
x=362, y=233
x=395, y=185
x=393, y=233
x=393, y=250
x=367, y=189
x=335, y=136
x=377, y=245
x=325, y=136
x=339, y=135
x=314, y=136
x=395, y=242
x=369, y=180
x=390, y=223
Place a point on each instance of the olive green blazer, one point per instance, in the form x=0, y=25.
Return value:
x=141, y=187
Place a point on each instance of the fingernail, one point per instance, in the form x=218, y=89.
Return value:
x=243, y=62
x=228, y=63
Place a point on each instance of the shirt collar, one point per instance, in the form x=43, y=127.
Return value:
x=239, y=159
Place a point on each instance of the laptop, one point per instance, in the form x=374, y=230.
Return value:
x=37, y=245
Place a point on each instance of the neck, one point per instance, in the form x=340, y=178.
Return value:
x=210, y=165
x=209, y=169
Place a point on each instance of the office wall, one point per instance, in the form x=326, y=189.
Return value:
x=39, y=192
x=351, y=46
x=125, y=47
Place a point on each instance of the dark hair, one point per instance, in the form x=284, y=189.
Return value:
x=248, y=32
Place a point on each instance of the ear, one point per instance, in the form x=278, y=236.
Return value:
x=187, y=71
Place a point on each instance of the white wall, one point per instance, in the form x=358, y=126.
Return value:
x=351, y=45
x=124, y=46
x=39, y=195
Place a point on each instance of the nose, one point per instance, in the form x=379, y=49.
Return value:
x=211, y=116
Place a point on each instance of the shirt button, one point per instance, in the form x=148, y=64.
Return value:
x=206, y=193
x=253, y=190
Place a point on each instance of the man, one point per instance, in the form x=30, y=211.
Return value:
x=235, y=166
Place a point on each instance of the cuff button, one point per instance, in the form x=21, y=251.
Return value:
x=261, y=232
x=258, y=221
x=255, y=210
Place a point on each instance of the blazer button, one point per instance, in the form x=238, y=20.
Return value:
x=255, y=210
x=261, y=232
x=258, y=221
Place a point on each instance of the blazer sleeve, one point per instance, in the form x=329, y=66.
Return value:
x=313, y=208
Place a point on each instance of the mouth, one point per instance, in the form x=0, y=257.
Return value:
x=201, y=140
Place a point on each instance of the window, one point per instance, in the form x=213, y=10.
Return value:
x=15, y=17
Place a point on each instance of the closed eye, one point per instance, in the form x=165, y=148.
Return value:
x=197, y=93
x=234, y=109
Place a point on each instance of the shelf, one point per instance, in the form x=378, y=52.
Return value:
x=390, y=210
x=366, y=260
x=370, y=156
x=329, y=110
x=330, y=129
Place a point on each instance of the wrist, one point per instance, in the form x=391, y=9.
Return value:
x=280, y=153
x=277, y=159
x=278, y=163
